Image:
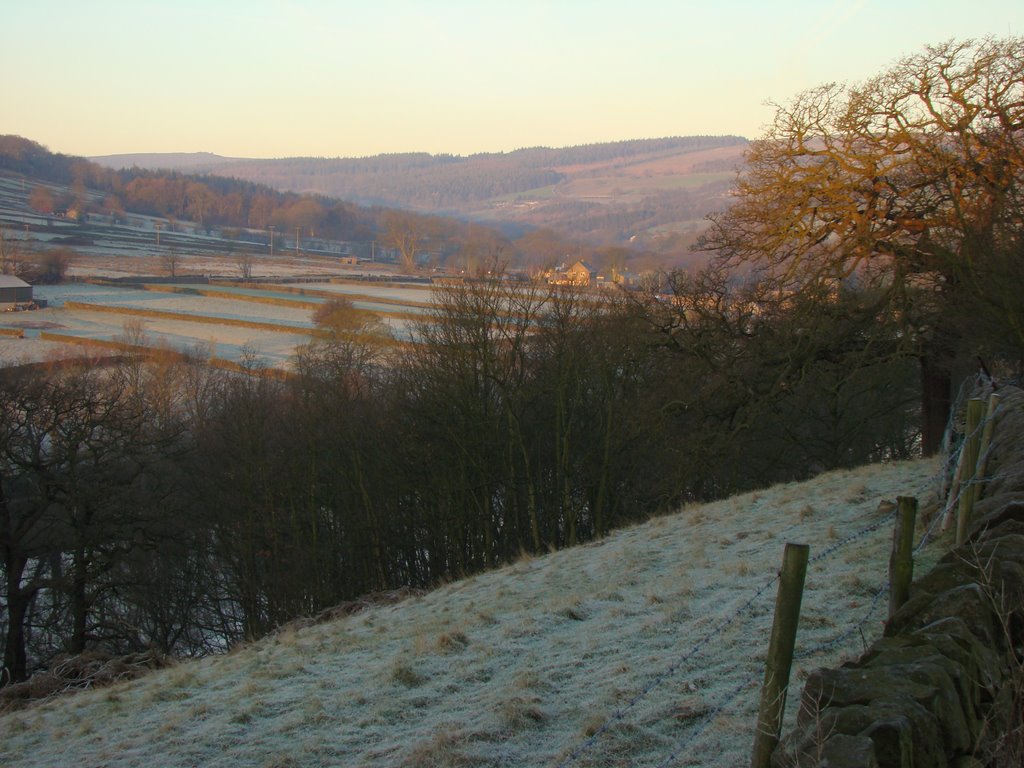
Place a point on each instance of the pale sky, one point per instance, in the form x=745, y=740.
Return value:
x=282, y=78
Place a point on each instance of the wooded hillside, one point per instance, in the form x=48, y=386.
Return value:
x=652, y=192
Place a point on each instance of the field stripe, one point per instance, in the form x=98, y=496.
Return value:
x=120, y=346
x=188, y=318
x=213, y=293
x=321, y=294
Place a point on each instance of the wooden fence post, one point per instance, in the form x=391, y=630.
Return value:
x=901, y=560
x=780, y=653
x=986, y=442
x=968, y=487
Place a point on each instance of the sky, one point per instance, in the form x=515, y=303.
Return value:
x=350, y=78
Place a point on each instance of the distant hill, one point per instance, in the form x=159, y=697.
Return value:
x=650, y=193
x=168, y=161
x=38, y=189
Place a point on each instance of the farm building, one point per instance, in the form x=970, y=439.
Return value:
x=580, y=273
x=14, y=290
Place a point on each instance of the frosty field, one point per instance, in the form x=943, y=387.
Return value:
x=665, y=624
x=260, y=305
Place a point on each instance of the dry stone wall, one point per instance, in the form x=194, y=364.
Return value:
x=944, y=686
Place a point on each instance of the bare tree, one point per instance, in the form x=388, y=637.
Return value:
x=171, y=260
x=911, y=182
x=245, y=261
x=11, y=255
x=404, y=232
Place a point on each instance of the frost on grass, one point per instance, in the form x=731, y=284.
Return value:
x=525, y=665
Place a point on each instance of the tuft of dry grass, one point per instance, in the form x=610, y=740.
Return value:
x=739, y=568
x=452, y=642
x=593, y=724
x=518, y=713
x=529, y=680
x=855, y=493
x=403, y=673
x=442, y=750
x=573, y=613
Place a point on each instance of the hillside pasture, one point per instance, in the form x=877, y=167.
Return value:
x=663, y=163
x=635, y=188
x=643, y=649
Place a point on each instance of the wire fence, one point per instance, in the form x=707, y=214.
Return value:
x=731, y=700
x=702, y=643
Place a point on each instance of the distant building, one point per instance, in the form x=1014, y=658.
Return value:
x=14, y=290
x=624, y=278
x=581, y=273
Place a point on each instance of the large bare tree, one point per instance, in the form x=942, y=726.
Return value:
x=912, y=182
x=404, y=232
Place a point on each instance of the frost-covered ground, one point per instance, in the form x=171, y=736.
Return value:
x=33, y=350
x=399, y=293
x=275, y=348
x=520, y=666
x=202, y=306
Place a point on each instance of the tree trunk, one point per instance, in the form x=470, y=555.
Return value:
x=18, y=600
x=17, y=609
x=79, y=603
x=936, y=385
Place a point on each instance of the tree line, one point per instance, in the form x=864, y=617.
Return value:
x=155, y=502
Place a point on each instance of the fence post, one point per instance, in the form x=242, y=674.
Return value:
x=968, y=486
x=986, y=441
x=780, y=654
x=901, y=559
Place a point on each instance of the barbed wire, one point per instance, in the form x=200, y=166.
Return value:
x=821, y=648
x=620, y=713
x=881, y=590
x=835, y=547
x=937, y=481
x=697, y=647
x=828, y=645
x=707, y=721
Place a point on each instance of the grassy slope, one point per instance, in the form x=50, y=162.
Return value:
x=517, y=666
x=620, y=184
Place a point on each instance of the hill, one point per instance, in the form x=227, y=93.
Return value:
x=645, y=648
x=170, y=161
x=650, y=193
x=50, y=199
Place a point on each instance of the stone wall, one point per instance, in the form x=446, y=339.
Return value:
x=944, y=686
